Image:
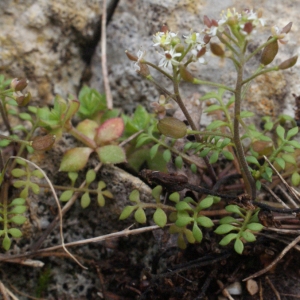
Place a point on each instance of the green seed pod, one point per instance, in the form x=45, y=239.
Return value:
x=217, y=50
x=288, y=63
x=269, y=52
x=172, y=127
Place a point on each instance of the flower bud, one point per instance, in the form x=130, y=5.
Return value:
x=23, y=100
x=217, y=50
x=248, y=27
x=206, y=39
x=175, y=41
x=131, y=56
x=269, y=52
x=201, y=52
x=286, y=29
x=179, y=48
x=185, y=74
x=288, y=63
x=19, y=84
x=207, y=21
x=144, y=70
x=172, y=127
x=42, y=143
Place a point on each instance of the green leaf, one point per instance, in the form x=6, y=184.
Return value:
x=292, y=132
x=127, y=212
x=268, y=126
x=90, y=176
x=142, y=139
x=141, y=117
x=154, y=150
x=233, y=209
x=134, y=196
x=14, y=232
x=213, y=108
x=280, y=162
x=25, y=116
x=189, y=236
x=160, y=217
x=238, y=246
x=205, y=221
x=252, y=160
x=246, y=114
x=6, y=243
x=85, y=200
x=288, y=149
x=100, y=200
x=17, y=201
x=224, y=228
x=182, y=206
x=289, y=158
x=280, y=132
x=193, y=168
x=18, y=172
x=37, y=173
x=66, y=195
x=167, y=155
x=228, y=220
x=216, y=125
x=75, y=159
x=248, y=236
x=35, y=188
x=214, y=157
x=295, y=144
x=295, y=179
x=18, y=209
x=227, y=239
x=156, y=192
x=175, y=197
x=111, y=154
x=228, y=155
x=183, y=219
x=19, y=220
x=206, y=202
x=140, y=216
x=197, y=233
x=178, y=162
x=204, y=152
x=255, y=226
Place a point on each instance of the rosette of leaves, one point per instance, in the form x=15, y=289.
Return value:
x=239, y=231
x=25, y=179
x=85, y=198
x=58, y=119
x=189, y=215
x=101, y=139
x=10, y=215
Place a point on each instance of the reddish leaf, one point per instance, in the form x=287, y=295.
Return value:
x=109, y=131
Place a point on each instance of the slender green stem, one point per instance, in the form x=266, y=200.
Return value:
x=210, y=83
x=158, y=69
x=260, y=73
x=247, y=176
x=191, y=123
x=228, y=45
x=156, y=205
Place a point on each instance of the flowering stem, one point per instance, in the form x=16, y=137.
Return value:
x=218, y=85
x=191, y=122
x=260, y=73
x=247, y=176
x=158, y=69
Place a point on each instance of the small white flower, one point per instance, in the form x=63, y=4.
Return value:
x=169, y=57
x=194, y=38
x=141, y=54
x=163, y=38
x=252, y=16
x=282, y=37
